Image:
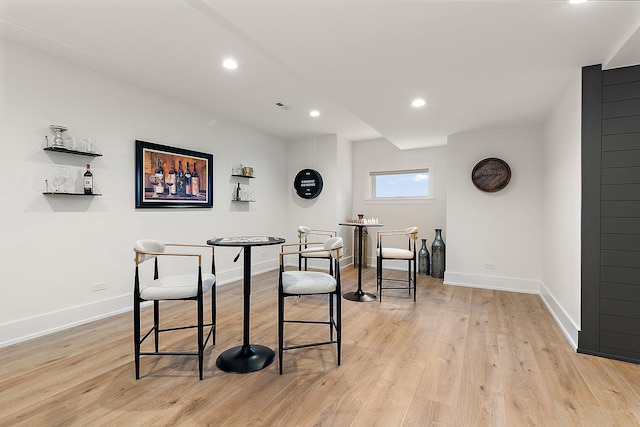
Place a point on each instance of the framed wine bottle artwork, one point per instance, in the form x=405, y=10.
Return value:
x=168, y=177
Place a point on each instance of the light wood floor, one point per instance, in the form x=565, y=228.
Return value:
x=457, y=357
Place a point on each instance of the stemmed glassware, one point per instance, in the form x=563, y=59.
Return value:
x=62, y=180
x=58, y=129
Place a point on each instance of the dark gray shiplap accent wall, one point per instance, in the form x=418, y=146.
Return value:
x=611, y=213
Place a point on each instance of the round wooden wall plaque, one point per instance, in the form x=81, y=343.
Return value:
x=308, y=183
x=491, y=175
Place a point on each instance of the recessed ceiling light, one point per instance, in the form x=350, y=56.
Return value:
x=577, y=1
x=314, y=113
x=417, y=103
x=230, y=64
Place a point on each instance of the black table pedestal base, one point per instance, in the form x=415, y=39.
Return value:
x=243, y=359
x=359, y=296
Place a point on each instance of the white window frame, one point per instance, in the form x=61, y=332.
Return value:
x=372, y=199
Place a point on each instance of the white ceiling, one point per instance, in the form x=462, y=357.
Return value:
x=478, y=64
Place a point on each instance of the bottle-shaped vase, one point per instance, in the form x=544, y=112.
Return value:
x=438, y=255
x=424, y=263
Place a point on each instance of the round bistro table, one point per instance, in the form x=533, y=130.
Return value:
x=359, y=295
x=247, y=357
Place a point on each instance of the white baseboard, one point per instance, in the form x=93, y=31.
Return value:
x=498, y=283
x=47, y=323
x=346, y=261
x=567, y=325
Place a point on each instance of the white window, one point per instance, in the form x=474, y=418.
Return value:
x=400, y=184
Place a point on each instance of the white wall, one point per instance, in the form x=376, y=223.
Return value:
x=501, y=229
x=60, y=247
x=330, y=155
x=561, y=202
x=344, y=206
x=381, y=155
x=57, y=248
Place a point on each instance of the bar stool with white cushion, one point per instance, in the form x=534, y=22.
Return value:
x=387, y=240
x=301, y=283
x=311, y=245
x=188, y=287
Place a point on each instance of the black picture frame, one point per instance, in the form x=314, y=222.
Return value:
x=168, y=194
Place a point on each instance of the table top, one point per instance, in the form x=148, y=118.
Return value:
x=361, y=224
x=245, y=241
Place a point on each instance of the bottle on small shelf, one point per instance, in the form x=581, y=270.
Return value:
x=242, y=193
x=88, y=181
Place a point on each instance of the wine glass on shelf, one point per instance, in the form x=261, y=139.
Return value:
x=91, y=145
x=58, y=180
x=67, y=179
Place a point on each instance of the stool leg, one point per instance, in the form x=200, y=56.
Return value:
x=213, y=314
x=409, y=276
x=339, y=325
x=280, y=327
x=136, y=333
x=156, y=323
x=338, y=311
x=200, y=335
x=380, y=278
x=331, y=316
x=415, y=279
x=378, y=274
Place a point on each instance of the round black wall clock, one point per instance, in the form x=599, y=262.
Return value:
x=491, y=175
x=308, y=183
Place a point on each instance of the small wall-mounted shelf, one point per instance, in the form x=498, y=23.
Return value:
x=242, y=193
x=69, y=151
x=51, y=193
x=62, y=180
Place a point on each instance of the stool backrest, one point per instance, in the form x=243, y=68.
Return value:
x=147, y=245
x=335, y=245
x=412, y=232
x=302, y=230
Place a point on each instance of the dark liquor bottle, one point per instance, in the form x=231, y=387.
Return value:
x=238, y=192
x=171, y=183
x=195, y=181
x=180, y=181
x=187, y=180
x=88, y=181
x=158, y=187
